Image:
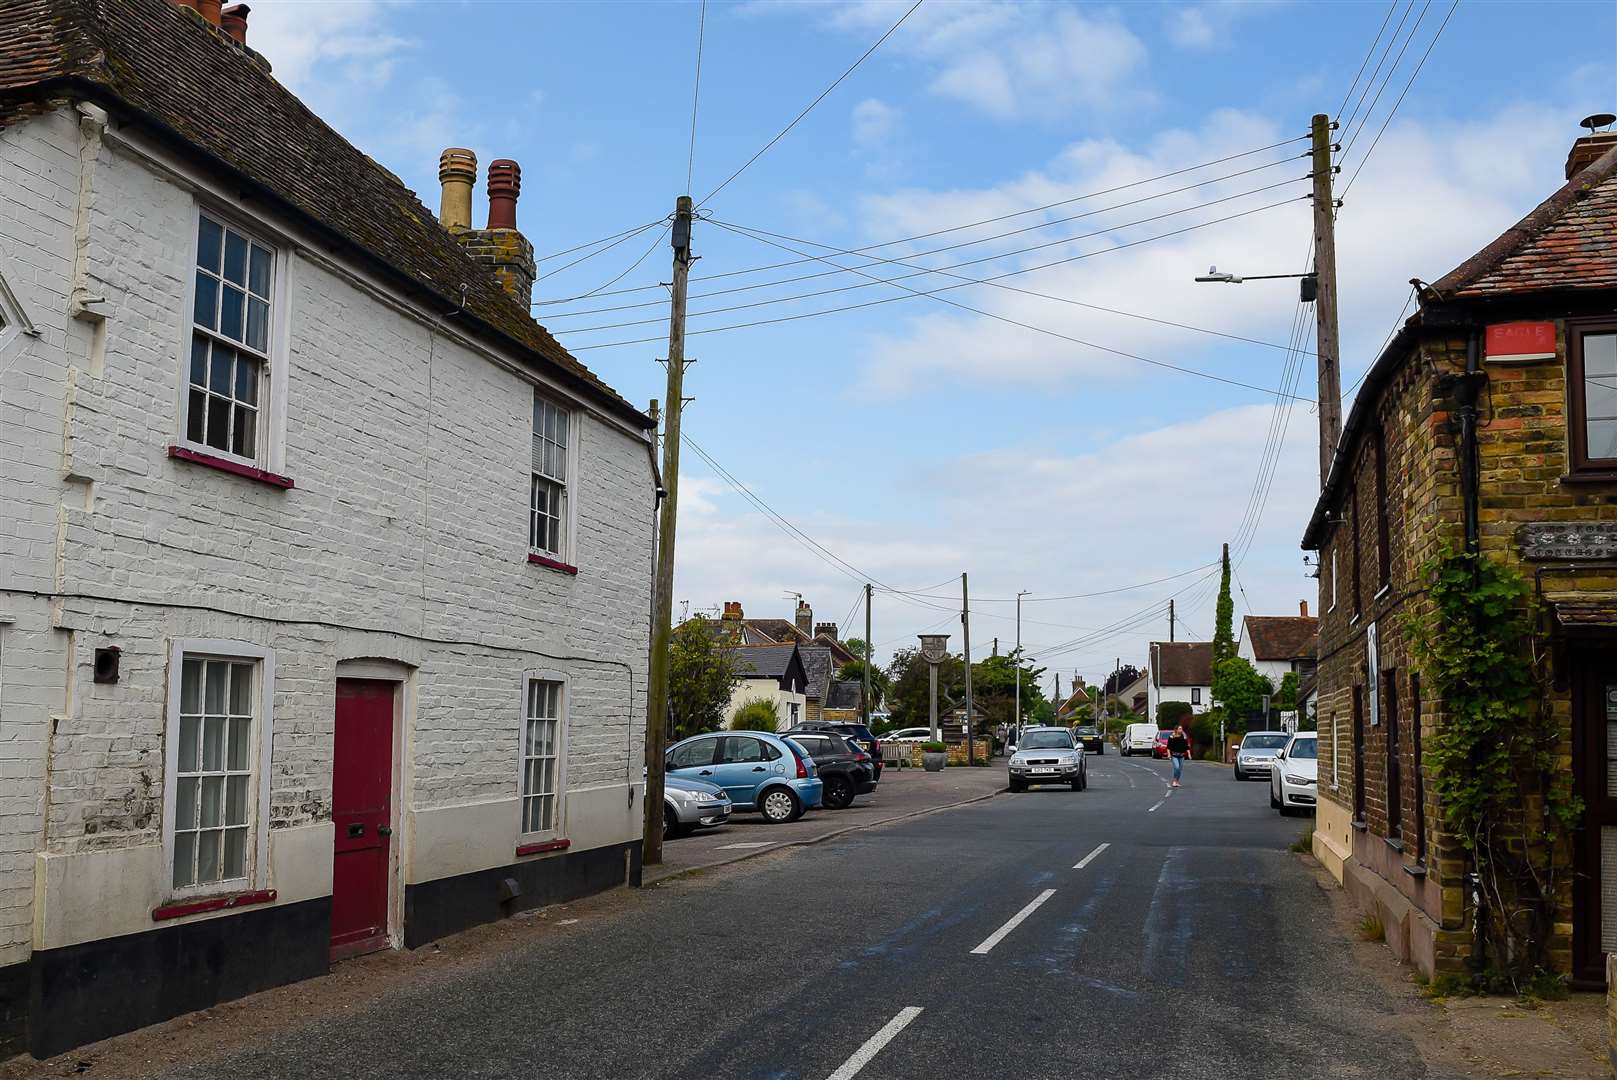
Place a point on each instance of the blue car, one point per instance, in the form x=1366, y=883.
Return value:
x=759, y=770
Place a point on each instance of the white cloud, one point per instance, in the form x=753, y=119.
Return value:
x=1207, y=25
x=311, y=45
x=874, y=124
x=1429, y=198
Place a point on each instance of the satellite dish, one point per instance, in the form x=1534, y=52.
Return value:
x=1597, y=121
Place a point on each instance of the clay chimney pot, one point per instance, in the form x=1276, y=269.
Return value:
x=209, y=10
x=234, y=21
x=457, y=172
x=1302, y=606
x=504, y=186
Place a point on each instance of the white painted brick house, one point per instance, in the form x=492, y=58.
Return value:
x=310, y=642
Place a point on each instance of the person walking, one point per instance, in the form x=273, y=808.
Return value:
x=1178, y=751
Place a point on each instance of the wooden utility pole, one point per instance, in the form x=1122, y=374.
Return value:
x=867, y=653
x=1330, y=369
x=1170, y=620
x=662, y=603
x=965, y=628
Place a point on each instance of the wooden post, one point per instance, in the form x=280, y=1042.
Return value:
x=1330, y=372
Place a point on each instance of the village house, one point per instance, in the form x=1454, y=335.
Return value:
x=324, y=619
x=1488, y=423
x=1180, y=671
x=1076, y=701
x=1279, y=645
x=775, y=674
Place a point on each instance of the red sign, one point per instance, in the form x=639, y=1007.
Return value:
x=1516, y=342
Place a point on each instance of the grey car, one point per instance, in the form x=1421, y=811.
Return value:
x=1255, y=757
x=1048, y=755
x=689, y=803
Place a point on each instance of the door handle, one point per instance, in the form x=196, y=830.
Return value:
x=384, y=830
x=705, y=772
x=356, y=830
x=758, y=768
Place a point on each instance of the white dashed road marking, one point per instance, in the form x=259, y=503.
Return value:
x=873, y=1045
x=1016, y=920
x=1087, y=859
x=753, y=844
x=1154, y=808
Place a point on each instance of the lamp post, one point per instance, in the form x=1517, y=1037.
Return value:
x=934, y=649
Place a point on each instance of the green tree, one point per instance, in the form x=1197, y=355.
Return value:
x=993, y=688
x=1286, y=696
x=879, y=681
x=1170, y=713
x=1238, y=690
x=1224, y=619
x=755, y=715
x=701, y=677
x=907, y=694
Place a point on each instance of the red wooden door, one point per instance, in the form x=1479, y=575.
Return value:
x=362, y=811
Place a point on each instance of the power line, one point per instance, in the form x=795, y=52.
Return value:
x=969, y=225
x=874, y=259
x=1368, y=54
x=947, y=288
x=1413, y=30
x=696, y=93
x=666, y=225
x=592, y=243
x=810, y=106
x=1076, y=596
x=1385, y=52
x=1396, y=323
x=608, y=247
x=1430, y=45
x=1040, y=329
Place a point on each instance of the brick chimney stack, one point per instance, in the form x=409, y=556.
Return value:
x=732, y=611
x=500, y=246
x=1302, y=606
x=805, y=619
x=1588, y=150
x=829, y=629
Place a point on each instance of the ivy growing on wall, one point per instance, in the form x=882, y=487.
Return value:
x=1491, y=760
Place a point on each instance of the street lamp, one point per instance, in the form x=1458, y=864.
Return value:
x=934, y=650
x=1308, y=291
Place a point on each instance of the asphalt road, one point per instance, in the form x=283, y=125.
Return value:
x=963, y=944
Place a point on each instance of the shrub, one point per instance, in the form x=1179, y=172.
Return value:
x=934, y=747
x=1370, y=928
x=1304, y=844
x=755, y=715
x=1170, y=713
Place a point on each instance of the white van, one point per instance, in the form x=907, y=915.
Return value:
x=1138, y=739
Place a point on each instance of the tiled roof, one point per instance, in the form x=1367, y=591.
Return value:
x=1569, y=241
x=819, y=665
x=1183, y=663
x=187, y=83
x=764, y=661
x=1281, y=637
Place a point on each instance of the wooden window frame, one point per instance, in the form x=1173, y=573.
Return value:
x=558, y=756
x=1358, y=755
x=1578, y=460
x=1420, y=768
x=1358, y=560
x=545, y=517
x=1394, y=797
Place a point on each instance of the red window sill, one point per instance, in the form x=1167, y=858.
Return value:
x=540, y=849
x=554, y=564
x=263, y=476
x=182, y=908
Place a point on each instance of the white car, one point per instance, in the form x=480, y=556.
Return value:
x=908, y=735
x=1294, y=778
x=1138, y=739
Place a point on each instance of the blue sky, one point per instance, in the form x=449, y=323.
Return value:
x=913, y=439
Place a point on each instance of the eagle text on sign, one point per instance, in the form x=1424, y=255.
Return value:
x=1591, y=540
x=1520, y=342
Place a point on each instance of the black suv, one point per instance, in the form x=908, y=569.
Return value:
x=1089, y=737
x=844, y=769
x=858, y=734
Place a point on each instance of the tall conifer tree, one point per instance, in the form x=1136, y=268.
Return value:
x=1224, y=621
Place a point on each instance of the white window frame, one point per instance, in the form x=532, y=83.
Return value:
x=569, y=483
x=269, y=451
x=1195, y=695
x=257, y=860
x=563, y=707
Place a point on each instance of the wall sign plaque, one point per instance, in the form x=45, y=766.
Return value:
x=1519, y=342
x=1568, y=540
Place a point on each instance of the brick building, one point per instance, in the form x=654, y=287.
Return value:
x=1489, y=421
x=326, y=570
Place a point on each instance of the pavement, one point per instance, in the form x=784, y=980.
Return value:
x=902, y=793
x=1120, y=931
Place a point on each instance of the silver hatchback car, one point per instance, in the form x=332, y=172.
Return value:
x=1255, y=757
x=689, y=803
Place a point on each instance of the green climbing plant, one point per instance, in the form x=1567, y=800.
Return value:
x=1491, y=762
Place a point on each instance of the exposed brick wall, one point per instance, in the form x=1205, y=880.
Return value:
x=405, y=536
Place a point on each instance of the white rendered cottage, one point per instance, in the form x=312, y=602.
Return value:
x=324, y=571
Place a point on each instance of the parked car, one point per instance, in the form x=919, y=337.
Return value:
x=845, y=769
x=858, y=734
x=1255, y=756
x=1089, y=737
x=1048, y=755
x=759, y=770
x=1295, y=776
x=908, y=735
x=689, y=803
x=1159, y=745
x=1137, y=739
